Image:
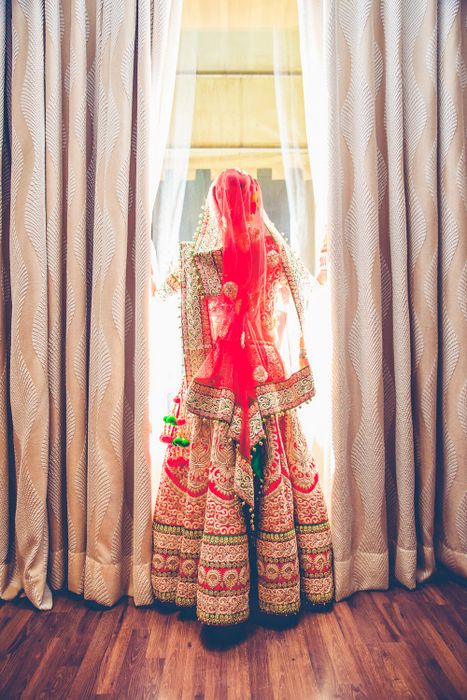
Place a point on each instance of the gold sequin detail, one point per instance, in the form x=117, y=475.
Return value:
x=260, y=374
x=230, y=290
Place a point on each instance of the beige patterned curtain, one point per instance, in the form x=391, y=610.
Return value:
x=77, y=191
x=398, y=273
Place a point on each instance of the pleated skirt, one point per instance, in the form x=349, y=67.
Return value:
x=214, y=553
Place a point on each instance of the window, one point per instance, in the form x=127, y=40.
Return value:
x=238, y=103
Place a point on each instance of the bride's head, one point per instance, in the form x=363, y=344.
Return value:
x=237, y=196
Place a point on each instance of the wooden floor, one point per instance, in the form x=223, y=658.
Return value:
x=377, y=645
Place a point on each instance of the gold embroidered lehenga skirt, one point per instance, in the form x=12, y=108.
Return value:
x=213, y=552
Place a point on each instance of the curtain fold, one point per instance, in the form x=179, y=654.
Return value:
x=397, y=258
x=7, y=475
x=299, y=192
x=80, y=116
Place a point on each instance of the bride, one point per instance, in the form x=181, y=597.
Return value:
x=240, y=514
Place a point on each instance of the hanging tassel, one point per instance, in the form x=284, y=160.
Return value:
x=180, y=442
x=256, y=462
x=174, y=435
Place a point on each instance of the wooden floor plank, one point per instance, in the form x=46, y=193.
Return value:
x=129, y=677
x=456, y=669
x=111, y=665
x=365, y=661
x=13, y=626
x=376, y=644
x=387, y=656
x=194, y=669
x=176, y=643
x=238, y=674
x=291, y=672
x=87, y=675
x=24, y=653
x=436, y=668
x=39, y=677
x=258, y=662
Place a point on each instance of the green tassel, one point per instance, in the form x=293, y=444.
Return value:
x=180, y=442
x=256, y=464
x=170, y=419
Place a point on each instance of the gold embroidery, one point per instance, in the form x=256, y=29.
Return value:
x=201, y=554
x=260, y=374
x=273, y=258
x=230, y=290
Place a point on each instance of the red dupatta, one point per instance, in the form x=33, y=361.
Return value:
x=236, y=313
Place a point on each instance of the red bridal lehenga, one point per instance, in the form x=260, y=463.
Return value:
x=240, y=514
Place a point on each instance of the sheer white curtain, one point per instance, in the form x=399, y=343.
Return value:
x=307, y=208
x=167, y=25
x=173, y=160
x=174, y=156
x=311, y=16
x=288, y=106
